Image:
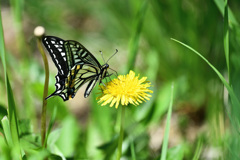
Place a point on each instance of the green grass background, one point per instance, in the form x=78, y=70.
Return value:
x=203, y=107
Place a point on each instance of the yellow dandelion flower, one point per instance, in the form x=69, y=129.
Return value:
x=125, y=89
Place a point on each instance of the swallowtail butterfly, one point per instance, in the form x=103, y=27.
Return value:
x=76, y=66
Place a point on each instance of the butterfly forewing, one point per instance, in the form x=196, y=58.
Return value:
x=79, y=54
x=56, y=49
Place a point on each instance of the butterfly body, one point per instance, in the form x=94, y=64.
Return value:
x=76, y=67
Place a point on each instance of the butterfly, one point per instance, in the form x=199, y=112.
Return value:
x=76, y=66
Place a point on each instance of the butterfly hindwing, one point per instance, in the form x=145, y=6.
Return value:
x=60, y=86
x=79, y=75
x=87, y=73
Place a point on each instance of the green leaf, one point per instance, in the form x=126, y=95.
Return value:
x=13, y=118
x=176, y=153
x=109, y=147
x=51, y=123
x=3, y=112
x=39, y=155
x=30, y=143
x=162, y=102
x=7, y=131
x=5, y=151
x=24, y=127
x=103, y=124
x=68, y=136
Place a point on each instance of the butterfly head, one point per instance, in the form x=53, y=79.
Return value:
x=105, y=66
x=104, y=69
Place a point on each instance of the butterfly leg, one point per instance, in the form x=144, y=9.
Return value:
x=116, y=74
x=100, y=82
x=109, y=76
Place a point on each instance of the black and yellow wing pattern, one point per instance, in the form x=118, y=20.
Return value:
x=76, y=66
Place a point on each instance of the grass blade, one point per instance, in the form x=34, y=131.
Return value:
x=2, y=44
x=133, y=151
x=7, y=131
x=135, y=38
x=12, y=116
x=11, y=103
x=233, y=97
x=167, y=128
x=17, y=10
x=198, y=149
x=221, y=6
x=226, y=38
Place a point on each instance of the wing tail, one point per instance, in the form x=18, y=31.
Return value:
x=60, y=87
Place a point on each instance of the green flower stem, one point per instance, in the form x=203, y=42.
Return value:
x=45, y=92
x=120, y=140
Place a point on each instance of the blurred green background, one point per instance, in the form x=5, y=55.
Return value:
x=142, y=32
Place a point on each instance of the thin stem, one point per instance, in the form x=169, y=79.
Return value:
x=133, y=150
x=45, y=92
x=120, y=140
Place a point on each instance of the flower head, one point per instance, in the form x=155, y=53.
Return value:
x=127, y=89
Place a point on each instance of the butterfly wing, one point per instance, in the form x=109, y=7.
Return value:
x=86, y=73
x=78, y=66
x=79, y=75
x=87, y=68
x=60, y=86
x=79, y=54
x=56, y=49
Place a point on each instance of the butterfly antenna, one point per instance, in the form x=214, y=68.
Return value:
x=112, y=56
x=102, y=56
